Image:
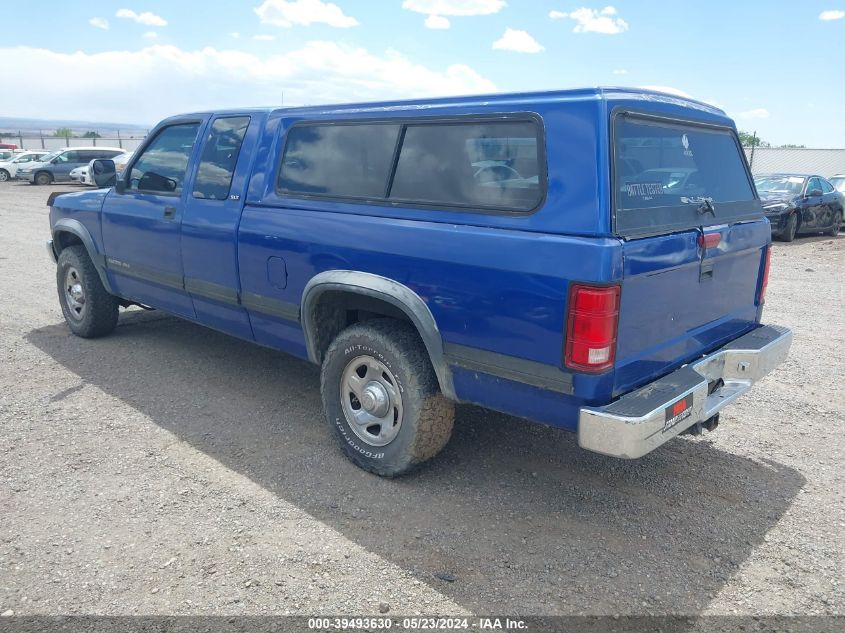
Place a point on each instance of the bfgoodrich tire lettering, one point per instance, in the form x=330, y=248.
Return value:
x=427, y=416
x=89, y=310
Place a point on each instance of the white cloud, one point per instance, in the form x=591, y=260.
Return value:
x=150, y=19
x=620, y=71
x=100, y=23
x=318, y=72
x=603, y=21
x=436, y=10
x=288, y=13
x=151, y=35
x=235, y=35
x=455, y=8
x=517, y=41
x=755, y=114
x=264, y=38
x=437, y=22
x=831, y=14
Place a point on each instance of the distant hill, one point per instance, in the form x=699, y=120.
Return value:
x=13, y=124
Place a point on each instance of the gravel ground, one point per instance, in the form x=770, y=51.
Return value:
x=169, y=469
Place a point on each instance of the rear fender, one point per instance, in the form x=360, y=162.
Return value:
x=389, y=291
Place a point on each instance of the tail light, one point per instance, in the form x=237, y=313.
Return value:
x=592, y=321
x=765, y=283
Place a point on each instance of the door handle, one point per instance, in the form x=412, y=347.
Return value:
x=169, y=213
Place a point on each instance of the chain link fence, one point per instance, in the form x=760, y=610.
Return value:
x=799, y=160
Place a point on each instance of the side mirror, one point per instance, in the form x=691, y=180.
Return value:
x=103, y=172
x=814, y=193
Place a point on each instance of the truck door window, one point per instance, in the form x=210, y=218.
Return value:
x=162, y=166
x=219, y=157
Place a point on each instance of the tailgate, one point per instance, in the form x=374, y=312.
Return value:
x=680, y=299
x=695, y=242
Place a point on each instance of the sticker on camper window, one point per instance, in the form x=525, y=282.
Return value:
x=685, y=143
x=644, y=190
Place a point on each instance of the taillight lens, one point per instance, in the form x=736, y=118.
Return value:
x=765, y=283
x=591, y=324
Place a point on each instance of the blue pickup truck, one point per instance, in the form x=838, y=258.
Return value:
x=591, y=259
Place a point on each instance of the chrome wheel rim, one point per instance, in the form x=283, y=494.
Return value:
x=74, y=293
x=371, y=401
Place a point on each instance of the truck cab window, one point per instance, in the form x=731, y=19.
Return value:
x=219, y=157
x=162, y=166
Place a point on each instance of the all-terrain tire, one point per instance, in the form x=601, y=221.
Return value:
x=89, y=310
x=427, y=416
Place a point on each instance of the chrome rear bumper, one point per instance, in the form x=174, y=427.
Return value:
x=644, y=419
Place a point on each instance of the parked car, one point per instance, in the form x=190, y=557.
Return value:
x=56, y=167
x=6, y=154
x=82, y=175
x=799, y=204
x=5, y=146
x=369, y=239
x=121, y=160
x=8, y=168
x=838, y=182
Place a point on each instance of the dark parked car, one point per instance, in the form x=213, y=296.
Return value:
x=799, y=204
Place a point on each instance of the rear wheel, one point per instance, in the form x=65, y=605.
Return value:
x=791, y=228
x=4, y=175
x=833, y=231
x=89, y=310
x=381, y=398
x=43, y=178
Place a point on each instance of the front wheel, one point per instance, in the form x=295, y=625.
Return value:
x=833, y=231
x=89, y=310
x=381, y=398
x=4, y=175
x=43, y=178
x=791, y=228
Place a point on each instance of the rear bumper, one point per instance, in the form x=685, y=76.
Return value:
x=644, y=419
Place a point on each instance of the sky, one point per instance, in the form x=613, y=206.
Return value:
x=775, y=66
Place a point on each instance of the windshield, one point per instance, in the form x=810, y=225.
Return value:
x=673, y=176
x=791, y=185
x=839, y=183
x=48, y=157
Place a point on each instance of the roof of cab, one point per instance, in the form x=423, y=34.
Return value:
x=609, y=94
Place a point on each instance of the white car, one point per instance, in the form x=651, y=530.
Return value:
x=121, y=161
x=82, y=175
x=9, y=166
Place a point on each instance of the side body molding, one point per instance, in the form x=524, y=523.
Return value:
x=75, y=227
x=388, y=290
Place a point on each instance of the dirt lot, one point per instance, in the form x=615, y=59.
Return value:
x=171, y=469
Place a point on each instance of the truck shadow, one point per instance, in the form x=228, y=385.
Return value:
x=511, y=518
